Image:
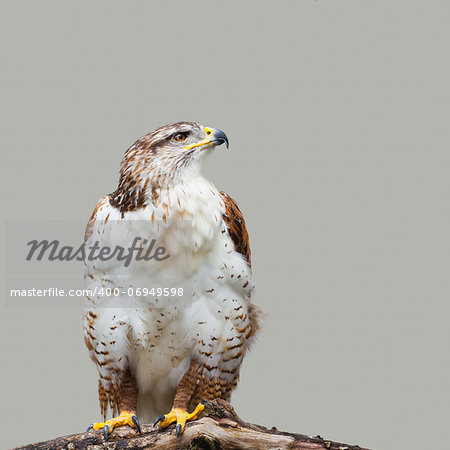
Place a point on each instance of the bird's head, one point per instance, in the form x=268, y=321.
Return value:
x=172, y=152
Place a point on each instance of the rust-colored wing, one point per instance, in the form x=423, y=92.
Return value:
x=236, y=227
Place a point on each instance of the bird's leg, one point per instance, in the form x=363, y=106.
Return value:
x=185, y=391
x=126, y=395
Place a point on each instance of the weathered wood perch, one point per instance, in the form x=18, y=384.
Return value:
x=219, y=428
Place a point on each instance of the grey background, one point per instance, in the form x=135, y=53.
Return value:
x=337, y=113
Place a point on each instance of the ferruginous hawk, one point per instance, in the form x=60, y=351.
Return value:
x=156, y=351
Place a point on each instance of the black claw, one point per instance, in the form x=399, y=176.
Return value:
x=136, y=422
x=159, y=419
x=105, y=431
x=90, y=427
x=178, y=429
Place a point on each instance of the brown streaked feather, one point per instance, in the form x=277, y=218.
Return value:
x=90, y=225
x=236, y=227
x=119, y=395
x=195, y=387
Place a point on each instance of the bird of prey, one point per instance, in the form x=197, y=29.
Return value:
x=155, y=351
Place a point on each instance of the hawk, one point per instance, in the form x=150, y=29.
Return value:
x=155, y=352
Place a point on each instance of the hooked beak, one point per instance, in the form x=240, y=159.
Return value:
x=215, y=137
x=218, y=137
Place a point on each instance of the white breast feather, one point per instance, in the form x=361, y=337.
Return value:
x=158, y=338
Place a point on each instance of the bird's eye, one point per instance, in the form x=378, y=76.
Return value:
x=180, y=137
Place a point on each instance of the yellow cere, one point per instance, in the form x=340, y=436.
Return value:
x=206, y=141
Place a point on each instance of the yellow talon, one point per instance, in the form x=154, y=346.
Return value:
x=180, y=416
x=125, y=418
